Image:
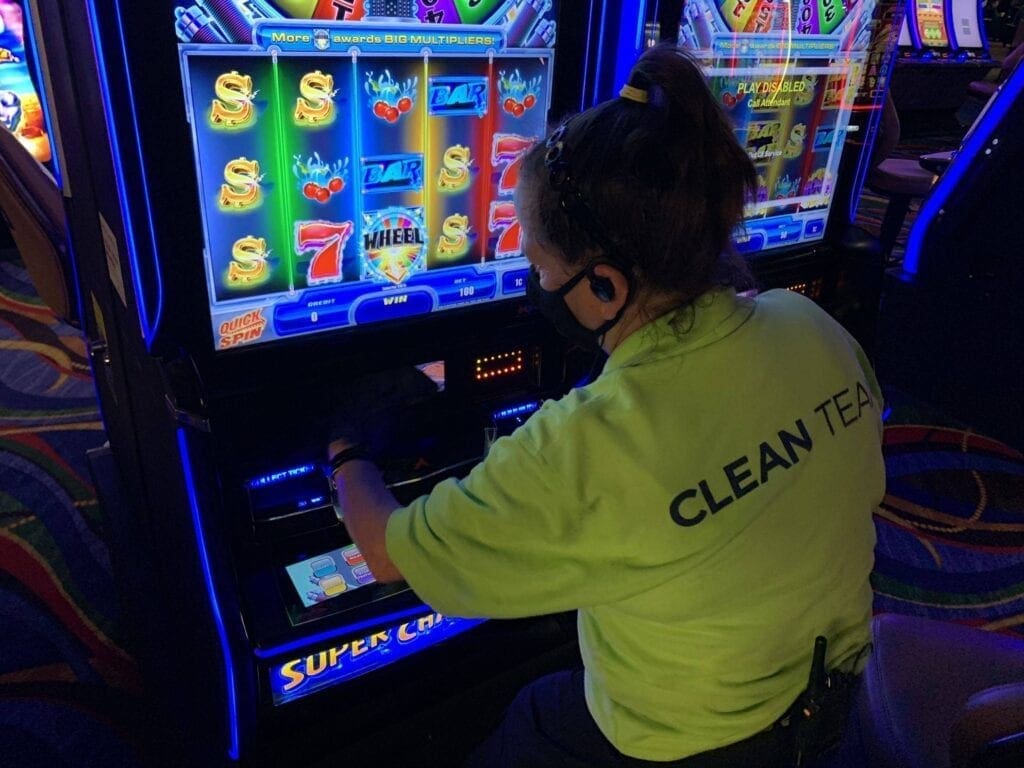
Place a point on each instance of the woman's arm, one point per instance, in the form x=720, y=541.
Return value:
x=366, y=504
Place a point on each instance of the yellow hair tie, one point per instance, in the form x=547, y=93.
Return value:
x=638, y=95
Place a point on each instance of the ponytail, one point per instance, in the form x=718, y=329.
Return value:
x=662, y=172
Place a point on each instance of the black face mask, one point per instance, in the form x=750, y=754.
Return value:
x=552, y=305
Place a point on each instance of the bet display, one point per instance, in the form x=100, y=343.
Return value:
x=361, y=171
x=787, y=76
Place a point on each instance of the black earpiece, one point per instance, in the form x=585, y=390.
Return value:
x=602, y=287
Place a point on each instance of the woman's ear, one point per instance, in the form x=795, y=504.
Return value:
x=609, y=284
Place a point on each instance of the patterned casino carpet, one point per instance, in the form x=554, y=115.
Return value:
x=65, y=685
x=951, y=528
x=950, y=546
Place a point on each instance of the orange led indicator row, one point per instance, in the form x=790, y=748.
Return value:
x=480, y=375
x=510, y=362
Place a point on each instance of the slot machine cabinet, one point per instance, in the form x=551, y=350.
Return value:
x=952, y=311
x=31, y=199
x=804, y=91
x=943, y=47
x=283, y=202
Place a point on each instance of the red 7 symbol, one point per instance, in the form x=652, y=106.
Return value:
x=328, y=239
x=503, y=220
x=507, y=150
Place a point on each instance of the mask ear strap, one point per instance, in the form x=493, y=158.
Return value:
x=572, y=283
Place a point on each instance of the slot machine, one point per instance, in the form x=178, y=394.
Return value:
x=945, y=32
x=803, y=84
x=30, y=162
x=287, y=196
x=943, y=47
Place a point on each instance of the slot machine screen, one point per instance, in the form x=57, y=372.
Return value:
x=966, y=24
x=352, y=173
x=931, y=23
x=22, y=107
x=787, y=83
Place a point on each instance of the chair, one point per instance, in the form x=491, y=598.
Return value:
x=900, y=179
x=936, y=695
x=984, y=89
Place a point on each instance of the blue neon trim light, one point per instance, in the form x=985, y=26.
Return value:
x=516, y=410
x=211, y=590
x=272, y=478
x=915, y=35
x=595, y=95
x=965, y=159
x=586, y=56
x=981, y=27
x=330, y=634
x=41, y=84
x=148, y=329
x=631, y=41
x=947, y=10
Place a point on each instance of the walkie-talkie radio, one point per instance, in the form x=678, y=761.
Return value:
x=823, y=707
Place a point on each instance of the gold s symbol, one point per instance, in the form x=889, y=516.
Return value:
x=248, y=262
x=455, y=168
x=454, y=240
x=242, y=184
x=797, y=139
x=804, y=94
x=233, y=107
x=315, y=104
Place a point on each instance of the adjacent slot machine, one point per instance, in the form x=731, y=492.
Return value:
x=945, y=32
x=803, y=85
x=24, y=109
x=30, y=164
x=943, y=48
x=292, y=195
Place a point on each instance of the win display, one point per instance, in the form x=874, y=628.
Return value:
x=352, y=173
x=787, y=76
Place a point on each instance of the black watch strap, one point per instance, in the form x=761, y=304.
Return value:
x=352, y=453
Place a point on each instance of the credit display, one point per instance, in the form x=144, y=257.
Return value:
x=787, y=75
x=354, y=173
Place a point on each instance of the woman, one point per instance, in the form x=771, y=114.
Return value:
x=706, y=503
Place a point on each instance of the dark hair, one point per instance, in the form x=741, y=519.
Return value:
x=658, y=185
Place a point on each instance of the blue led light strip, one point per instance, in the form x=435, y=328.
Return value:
x=969, y=155
x=947, y=11
x=631, y=41
x=915, y=35
x=871, y=129
x=595, y=95
x=586, y=56
x=516, y=410
x=211, y=590
x=981, y=27
x=148, y=330
x=41, y=84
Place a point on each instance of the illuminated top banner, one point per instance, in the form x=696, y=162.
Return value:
x=305, y=37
